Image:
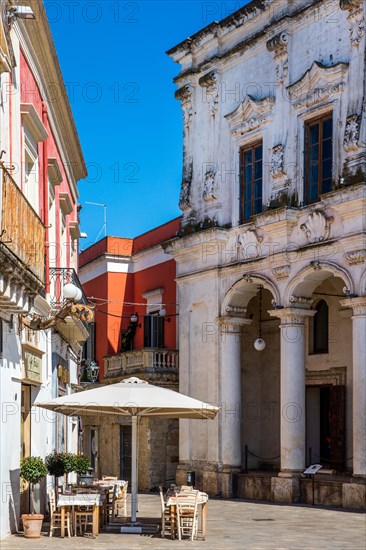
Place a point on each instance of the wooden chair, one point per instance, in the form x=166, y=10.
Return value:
x=56, y=515
x=121, y=501
x=167, y=524
x=187, y=514
x=111, y=502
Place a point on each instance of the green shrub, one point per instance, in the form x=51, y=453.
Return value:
x=32, y=469
x=82, y=464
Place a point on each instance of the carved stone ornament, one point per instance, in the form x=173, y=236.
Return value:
x=184, y=95
x=356, y=257
x=318, y=84
x=185, y=190
x=209, y=82
x=302, y=300
x=352, y=133
x=249, y=242
x=281, y=272
x=277, y=162
x=278, y=45
x=184, y=197
x=355, y=18
x=209, y=186
x=317, y=227
x=250, y=115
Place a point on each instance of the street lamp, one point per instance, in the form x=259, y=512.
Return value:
x=72, y=292
x=92, y=371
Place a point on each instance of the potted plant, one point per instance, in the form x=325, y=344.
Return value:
x=32, y=470
x=81, y=467
x=55, y=463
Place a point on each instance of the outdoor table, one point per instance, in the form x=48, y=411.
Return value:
x=201, y=502
x=81, y=499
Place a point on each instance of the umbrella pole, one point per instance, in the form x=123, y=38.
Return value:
x=134, y=489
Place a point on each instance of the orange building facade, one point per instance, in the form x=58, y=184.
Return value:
x=131, y=283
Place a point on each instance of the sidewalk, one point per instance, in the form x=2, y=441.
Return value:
x=231, y=525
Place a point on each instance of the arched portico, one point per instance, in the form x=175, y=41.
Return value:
x=325, y=370
x=250, y=395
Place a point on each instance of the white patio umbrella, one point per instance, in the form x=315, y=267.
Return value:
x=135, y=398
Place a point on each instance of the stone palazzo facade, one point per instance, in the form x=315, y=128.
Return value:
x=273, y=245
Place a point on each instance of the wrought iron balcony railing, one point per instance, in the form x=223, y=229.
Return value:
x=59, y=277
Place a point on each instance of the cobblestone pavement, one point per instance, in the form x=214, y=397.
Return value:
x=231, y=524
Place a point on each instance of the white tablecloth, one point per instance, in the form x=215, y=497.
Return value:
x=81, y=499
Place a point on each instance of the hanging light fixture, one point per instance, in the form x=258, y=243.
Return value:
x=259, y=343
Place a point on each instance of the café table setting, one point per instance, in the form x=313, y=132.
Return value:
x=183, y=512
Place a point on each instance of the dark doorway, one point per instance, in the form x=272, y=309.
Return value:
x=325, y=426
x=125, y=451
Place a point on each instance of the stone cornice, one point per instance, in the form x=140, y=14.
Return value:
x=232, y=325
x=318, y=84
x=357, y=304
x=36, y=36
x=250, y=115
x=292, y=315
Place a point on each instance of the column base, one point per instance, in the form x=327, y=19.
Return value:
x=213, y=479
x=354, y=494
x=285, y=487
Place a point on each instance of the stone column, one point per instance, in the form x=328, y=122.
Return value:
x=286, y=486
x=358, y=306
x=230, y=451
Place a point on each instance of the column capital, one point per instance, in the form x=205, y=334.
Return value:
x=292, y=315
x=357, y=304
x=233, y=324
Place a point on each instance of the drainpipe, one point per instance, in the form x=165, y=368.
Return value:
x=45, y=201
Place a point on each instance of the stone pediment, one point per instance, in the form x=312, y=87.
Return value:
x=318, y=84
x=250, y=115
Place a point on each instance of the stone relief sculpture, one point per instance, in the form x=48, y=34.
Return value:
x=184, y=95
x=185, y=190
x=277, y=161
x=352, y=133
x=209, y=83
x=209, y=186
x=317, y=227
x=184, y=197
x=355, y=18
x=249, y=243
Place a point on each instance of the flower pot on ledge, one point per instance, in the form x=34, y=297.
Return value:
x=32, y=524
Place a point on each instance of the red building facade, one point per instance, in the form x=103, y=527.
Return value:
x=131, y=283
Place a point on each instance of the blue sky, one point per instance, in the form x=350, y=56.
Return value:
x=120, y=85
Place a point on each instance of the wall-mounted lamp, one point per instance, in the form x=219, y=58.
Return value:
x=21, y=12
x=92, y=371
x=134, y=318
x=72, y=294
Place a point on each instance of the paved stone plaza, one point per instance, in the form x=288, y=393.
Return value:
x=231, y=524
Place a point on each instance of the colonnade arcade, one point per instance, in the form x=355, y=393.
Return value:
x=301, y=399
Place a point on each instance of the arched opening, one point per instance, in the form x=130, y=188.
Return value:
x=260, y=381
x=328, y=368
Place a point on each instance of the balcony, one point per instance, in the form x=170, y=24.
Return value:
x=145, y=362
x=22, y=246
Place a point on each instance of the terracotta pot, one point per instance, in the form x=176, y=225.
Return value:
x=32, y=524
